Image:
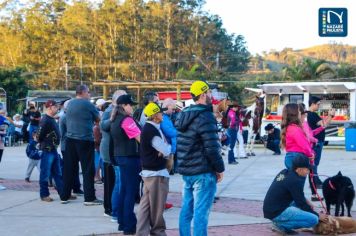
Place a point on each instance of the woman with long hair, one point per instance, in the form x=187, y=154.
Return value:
x=293, y=136
x=125, y=135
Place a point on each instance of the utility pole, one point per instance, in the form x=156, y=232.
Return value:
x=66, y=71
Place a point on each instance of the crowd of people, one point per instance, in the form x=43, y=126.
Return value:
x=134, y=153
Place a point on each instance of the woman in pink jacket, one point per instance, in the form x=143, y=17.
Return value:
x=293, y=136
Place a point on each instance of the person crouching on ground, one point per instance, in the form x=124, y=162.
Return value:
x=154, y=152
x=285, y=203
x=273, y=139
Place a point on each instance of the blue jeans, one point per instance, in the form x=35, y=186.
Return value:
x=115, y=193
x=317, y=149
x=273, y=145
x=288, y=160
x=130, y=168
x=295, y=218
x=50, y=165
x=98, y=163
x=198, y=196
x=233, y=137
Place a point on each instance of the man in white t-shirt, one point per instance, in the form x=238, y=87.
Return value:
x=18, y=123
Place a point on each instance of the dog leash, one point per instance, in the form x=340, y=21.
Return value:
x=316, y=190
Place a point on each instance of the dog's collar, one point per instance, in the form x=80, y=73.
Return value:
x=331, y=185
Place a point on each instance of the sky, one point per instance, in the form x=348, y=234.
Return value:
x=277, y=24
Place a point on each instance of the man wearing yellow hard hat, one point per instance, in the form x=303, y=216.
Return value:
x=199, y=159
x=154, y=154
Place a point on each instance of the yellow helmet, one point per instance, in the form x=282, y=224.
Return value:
x=152, y=108
x=199, y=87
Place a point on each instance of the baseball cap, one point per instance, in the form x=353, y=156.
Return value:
x=301, y=161
x=269, y=127
x=125, y=99
x=50, y=103
x=199, y=87
x=153, y=108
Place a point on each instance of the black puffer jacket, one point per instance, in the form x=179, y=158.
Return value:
x=198, y=146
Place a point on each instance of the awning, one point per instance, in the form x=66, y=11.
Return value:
x=184, y=95
x=310, y=87
x=45, y=99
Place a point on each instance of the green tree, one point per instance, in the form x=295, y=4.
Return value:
x=15, y=86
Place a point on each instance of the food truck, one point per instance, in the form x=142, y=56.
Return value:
x=337, y=95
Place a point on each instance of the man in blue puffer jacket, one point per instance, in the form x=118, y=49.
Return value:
x=199, y=160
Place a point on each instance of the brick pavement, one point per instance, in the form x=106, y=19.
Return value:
x=224, y=205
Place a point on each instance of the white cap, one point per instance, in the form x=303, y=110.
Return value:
x=100, y=102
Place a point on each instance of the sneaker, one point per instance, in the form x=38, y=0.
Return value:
x=114, y=219
x=233, y=163
x=27, y=180
x=2, y=187
x=278, y=230
x=168, y=206
x=79, y=192
x=107, y=214
x=94, y=203
x=47, y=199
x=72, y=197
x=64, y=201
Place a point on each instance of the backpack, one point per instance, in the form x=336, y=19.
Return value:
x=32, y=152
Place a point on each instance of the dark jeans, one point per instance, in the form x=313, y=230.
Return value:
x=318, y=148
x=232, y=133
x=273, y=145
x=130, y=168
x=50, y=165
x=109, y=182
x=79, y=151
x=76, y=182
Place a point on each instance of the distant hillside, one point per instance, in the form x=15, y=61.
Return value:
x=274, y=61
x=335, y=53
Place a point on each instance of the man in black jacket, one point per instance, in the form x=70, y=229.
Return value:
x=199, y=159
x=273, y=139
x=48, y=137
x=285, y=203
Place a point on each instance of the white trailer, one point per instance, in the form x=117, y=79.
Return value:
x=338, y=95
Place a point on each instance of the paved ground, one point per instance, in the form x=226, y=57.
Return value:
x=238, y=212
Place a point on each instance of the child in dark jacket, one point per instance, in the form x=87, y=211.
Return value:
x=34, y=155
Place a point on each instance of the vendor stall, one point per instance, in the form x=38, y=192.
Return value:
x=337, y=95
